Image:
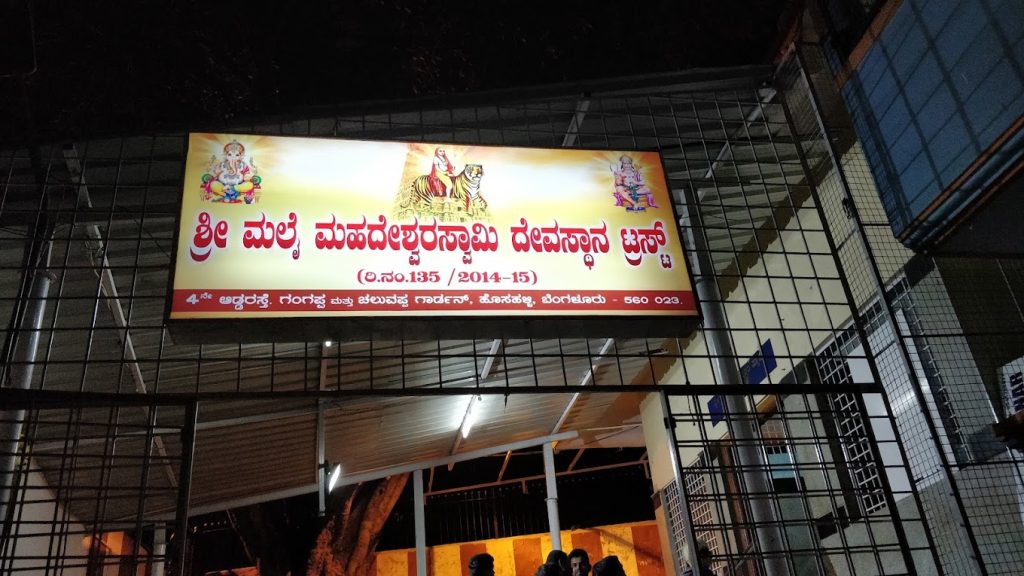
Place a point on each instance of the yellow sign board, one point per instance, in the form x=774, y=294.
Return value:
x=303, y=227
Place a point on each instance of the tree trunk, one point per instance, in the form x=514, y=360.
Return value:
x=346, y=545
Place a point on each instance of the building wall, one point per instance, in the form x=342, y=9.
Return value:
x=985, y=295
x=792, y=295
x=637, y=545
x=36, y=546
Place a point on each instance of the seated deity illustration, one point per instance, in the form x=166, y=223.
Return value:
x=443, y=192
x=439, y=181
x=231, y=179
x=630, y=189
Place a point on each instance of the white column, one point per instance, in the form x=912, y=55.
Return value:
x=419, y=520
x=552, y=499
x=159, y=550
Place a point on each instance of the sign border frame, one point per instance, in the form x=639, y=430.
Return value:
x=368, y=326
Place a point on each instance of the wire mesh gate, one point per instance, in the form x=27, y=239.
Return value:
x=97, y=220
x=839, y=490
x=940, y=334
x=98, y=487
x=103, y=486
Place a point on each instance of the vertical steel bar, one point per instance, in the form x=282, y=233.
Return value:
x=321, y=459
x=28, y=317
x=188, y=448
x=21, y=370
x=159, y=550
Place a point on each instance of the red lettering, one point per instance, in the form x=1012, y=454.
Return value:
x=410, y=236
x=287, y=236
x=205, y=235
x=263, y=233
x=556, y=238
x=258, y=233
x=326, y=237
x=639, y=242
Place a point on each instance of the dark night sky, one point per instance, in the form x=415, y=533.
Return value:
x=113, y=68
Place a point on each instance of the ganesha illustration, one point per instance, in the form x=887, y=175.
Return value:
x=630, y=189
x=231, y=179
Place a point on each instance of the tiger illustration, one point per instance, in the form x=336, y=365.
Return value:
x=442, y=193
x=466, y=186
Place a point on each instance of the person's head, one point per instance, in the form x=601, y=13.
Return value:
x=481, y=565
x=703, y=554
x=548, y=570
x=559, y=558
x=579, y=562
x=609, y=566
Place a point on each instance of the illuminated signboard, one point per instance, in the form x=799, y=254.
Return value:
x=275, y=227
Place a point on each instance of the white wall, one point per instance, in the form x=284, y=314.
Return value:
x=36, y=539
x=798, y=316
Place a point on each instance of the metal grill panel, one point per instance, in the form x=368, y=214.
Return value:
x=764, y=205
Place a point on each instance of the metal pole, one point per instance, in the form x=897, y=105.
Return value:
x=420, y=521
x=684, y=501
x=21, y=369
x=745, y=435
x=552, y=498
x=188, y=448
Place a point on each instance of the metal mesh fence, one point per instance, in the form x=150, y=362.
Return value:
x=933, y=327
x=95, y=489
x=106, y=211
x=87, y=237
x=825, y=456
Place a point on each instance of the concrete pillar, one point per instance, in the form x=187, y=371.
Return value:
x=159, y=550
x=552, y=497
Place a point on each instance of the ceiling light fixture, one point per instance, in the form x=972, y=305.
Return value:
x=472, y=415
x=334, y=477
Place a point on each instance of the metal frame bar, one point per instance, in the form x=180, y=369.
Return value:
x=109, y=290
x=188, y=443
x=551, y=496
x=16, y=398
x=680, y=482
x=521, y=479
